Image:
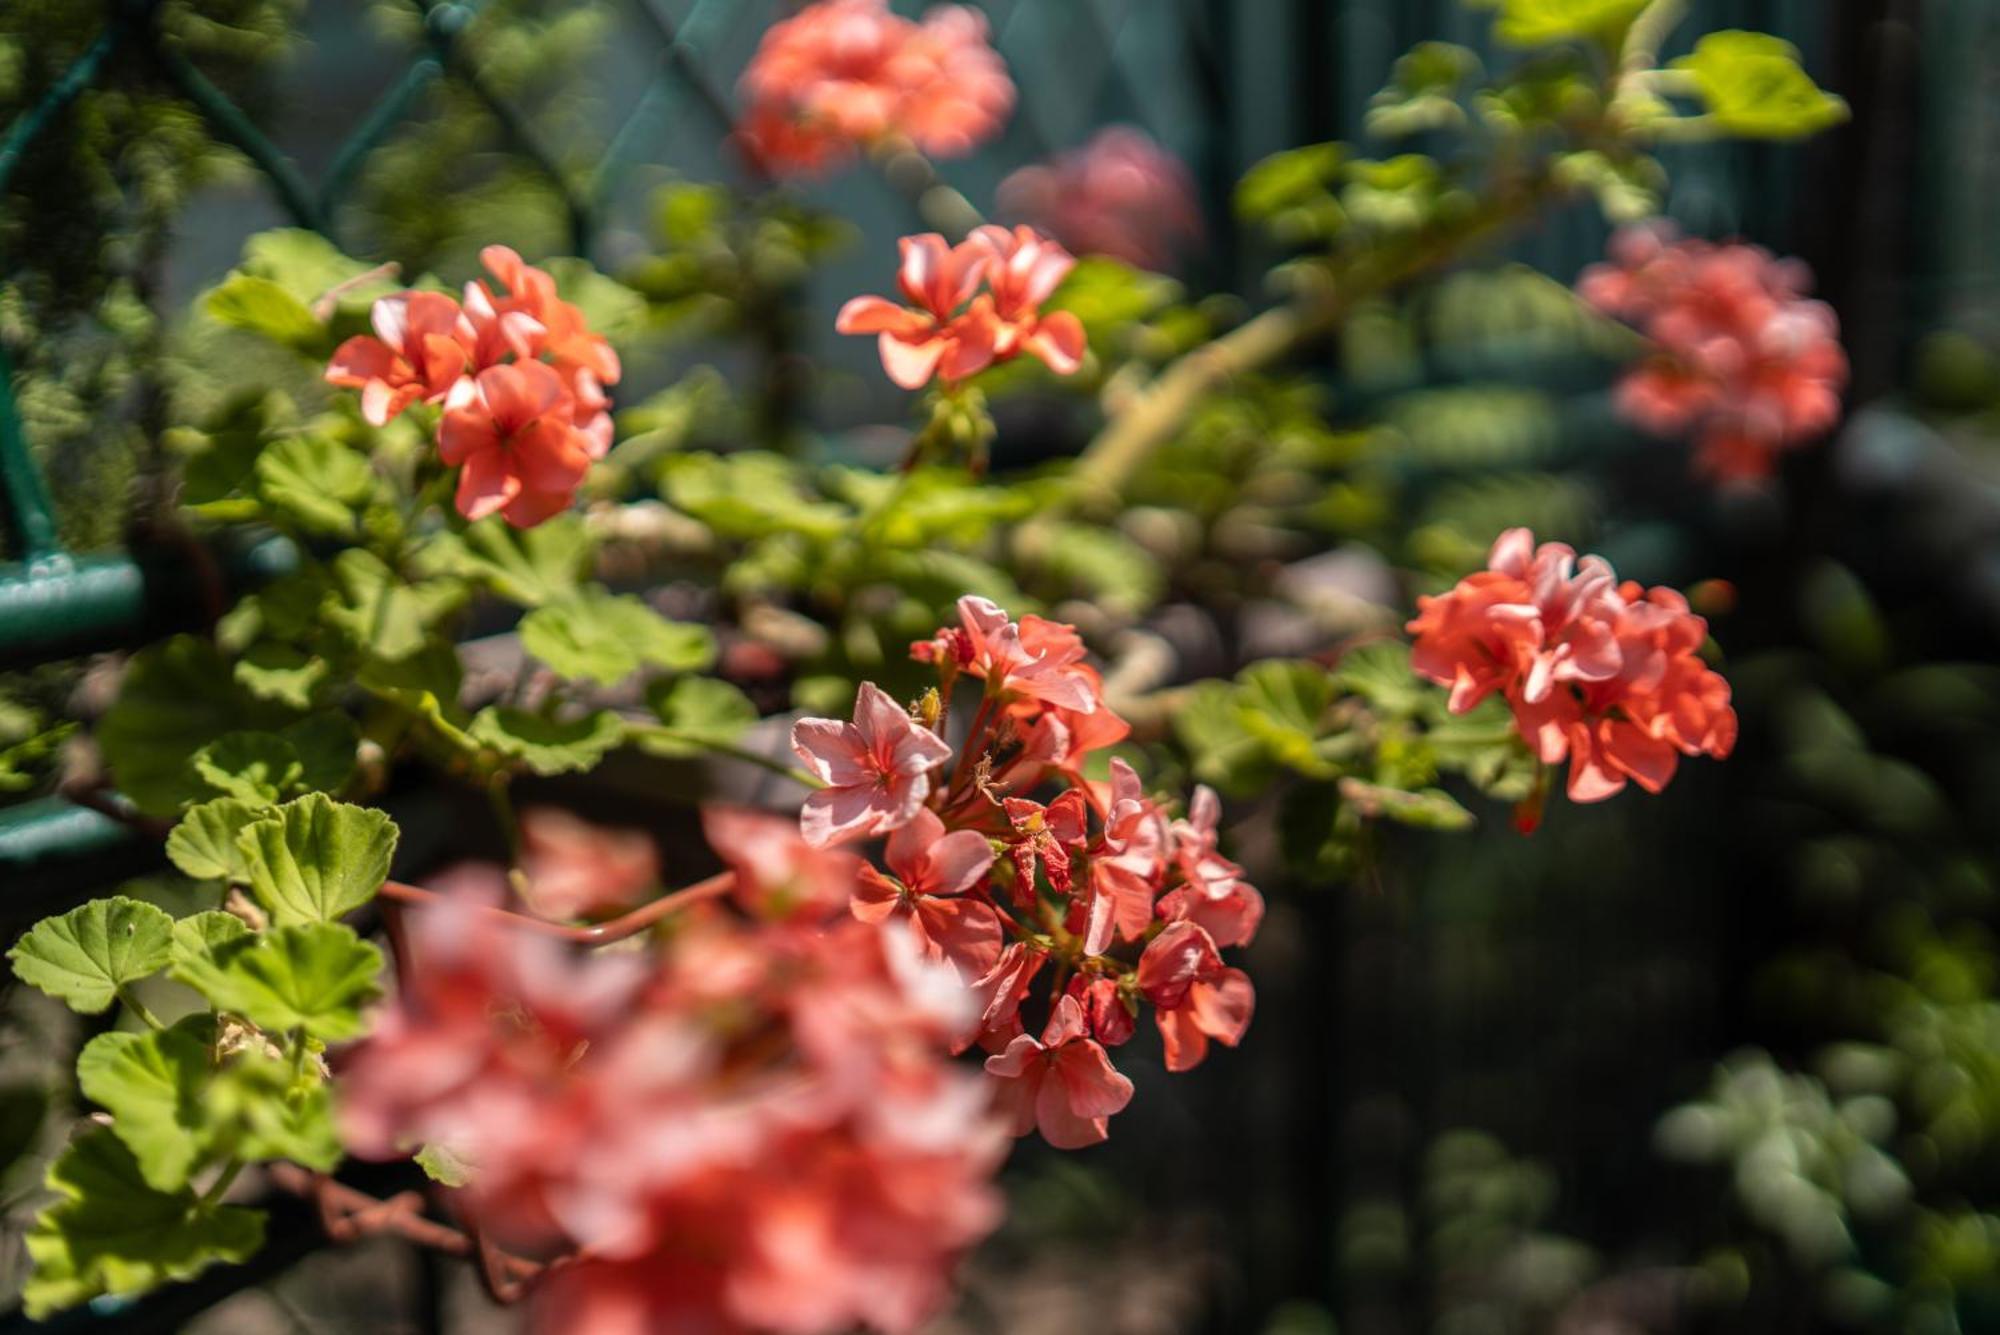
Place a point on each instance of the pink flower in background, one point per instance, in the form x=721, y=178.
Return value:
x=877, y=769
x=511, y=433
x=1604, y=675
x=778, y=874
x=935, y=875
x=1023, y=270
x=751, y=1126
x=1120, y=195
x=576, y=869
x=1741, y=358
x=842, y=75
x=1195, y=997
x=417, y=354
x=1062, y=1085
x=929, y=337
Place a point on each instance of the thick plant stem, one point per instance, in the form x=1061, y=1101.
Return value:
x=1153, y=414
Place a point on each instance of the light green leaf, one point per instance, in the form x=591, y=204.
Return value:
x=110, y=1233
x=605, y=638
x=313, y=977
x=528, y=566
x=264, y=1112
x=751, y=494
x=611, y=308
x=203, y=845
x=258, y=768
x=152, y=1084
x=262, y=307
x=307, y=265
x=199, y=935
x=1539, y=22
x=700, y=709
x=316, y=481
x=84, y=956
x=1754, y=86
x=278, y=672
x=1281, y=703
x=547, y=746
x=380, y=612
x=1429, y=809
x=442, y=1166
x=1380, y=673
x=176, y=698
x=1423, y=90
x=314, y=859
x=1628, y=189
x=1289, y=180
x=1222, y=752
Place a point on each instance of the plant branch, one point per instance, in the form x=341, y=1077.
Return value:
x=599, y=934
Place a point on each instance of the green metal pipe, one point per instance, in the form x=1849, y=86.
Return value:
x=30, y=517
x=65, y=605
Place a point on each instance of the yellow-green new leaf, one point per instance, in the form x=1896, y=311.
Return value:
x=600, y=637
x=1754, y=86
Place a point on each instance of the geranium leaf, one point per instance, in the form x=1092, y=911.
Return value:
x=314, y=977
x=378, y=611
x=314, y=859
x=111, y=1233
x=258, y=768
x=176, y=698
x=699, y=709
x=604, y=638
x=151, y=1083
x=259, y=305
x=316, y=482
x=84, y=956
x=528, y=566
x=199, y=935
x=203, y=845
x=271, y=1114
x=547, y=746
x=1754, y=86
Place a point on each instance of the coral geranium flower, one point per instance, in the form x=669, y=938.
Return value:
x=929, y=337
x=877, y=769
x=511, y=434
x=418, y=352
x=1023, y=271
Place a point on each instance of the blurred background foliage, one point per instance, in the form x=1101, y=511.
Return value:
x=1724, y=1060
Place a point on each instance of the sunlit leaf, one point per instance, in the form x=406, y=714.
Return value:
x=84, y=956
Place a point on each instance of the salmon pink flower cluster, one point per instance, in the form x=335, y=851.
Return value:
x=1065, y=906
x=1604, y=675
x=950, y=329
x=518, y=374
x=1121, y=194
x=753, y=1125
x=1741, y=358
x=842, y=75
